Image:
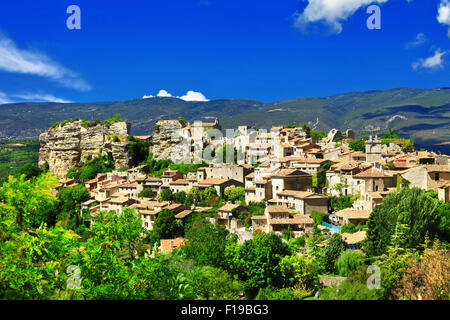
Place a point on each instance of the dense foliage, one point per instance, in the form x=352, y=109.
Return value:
x=409, y=206
x=138, y=150
x=358, y=145
x=44, y=240
x=256, y=262
x=15, y=153
x=88, y=170
x=332, y=251
x=157, y=167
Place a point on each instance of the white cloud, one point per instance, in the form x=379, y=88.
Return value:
x=32, y=97
x=40, y=97
x=13, y=59
x=331, y=12
x=420, y=39
x=189, y=96
x=163, y=93
x=194, y=96
x=4, y=98
x=444, y=14
x=432, y=63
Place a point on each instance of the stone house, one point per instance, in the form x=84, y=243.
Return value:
x=350, y=215
x=218, y=184
x=180, y=185
x=279, y=219
x=153, y=183
x=226, y=216
x=169, y=176
x=130, y=189
x=290, y=179
x=340, y=177
x=309, y=165
x=427, y=177
x=228, y=171
x=303, y=202
x=375, y=179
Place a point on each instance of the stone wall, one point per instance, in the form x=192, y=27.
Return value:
x=63, y=147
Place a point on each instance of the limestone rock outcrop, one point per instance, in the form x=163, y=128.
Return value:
x=63, y=147
x=166, y=137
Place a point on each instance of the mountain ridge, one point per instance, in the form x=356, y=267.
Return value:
x=423, y=114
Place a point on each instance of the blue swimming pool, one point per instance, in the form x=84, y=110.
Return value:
x=328, y=225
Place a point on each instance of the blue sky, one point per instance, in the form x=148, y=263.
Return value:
x=264, y=50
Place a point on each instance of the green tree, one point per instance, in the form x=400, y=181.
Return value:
x=319, y=179
x=292, y=125
x=211, y=283
x=301, y=273
x=342, y=202
x=86, y=171
x=349, y=228
x=333, y=249
x=358, y=145
x=256, y=262
x=391, y=134
x=305, y=128
x=410, y=206
x=30, y=170
x=206, y=245
x=318, y=217
x=147, y=193
x=444, y=217
x=395, y=262
x=179, y=197
x=349, y=261
x=21, y=201
x=166, y=195
x=233, y=193
x=208, y=194
x=70, y=200
x=256, y=208
x=166, y=226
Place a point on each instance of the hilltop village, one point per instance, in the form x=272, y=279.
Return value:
x=291, y=174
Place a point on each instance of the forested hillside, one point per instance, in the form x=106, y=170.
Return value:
x=423, y=114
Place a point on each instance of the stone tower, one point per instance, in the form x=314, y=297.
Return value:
x=373, y=149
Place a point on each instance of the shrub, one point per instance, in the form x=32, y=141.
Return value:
x=147, y=193
x=349, y=261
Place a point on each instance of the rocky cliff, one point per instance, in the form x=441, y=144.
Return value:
x=64, y=146
x=166, y=138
